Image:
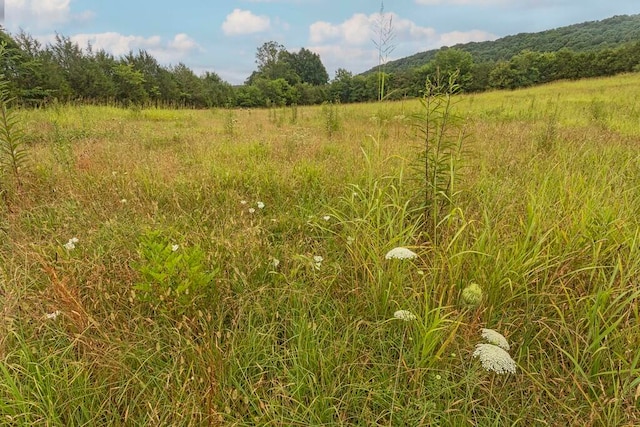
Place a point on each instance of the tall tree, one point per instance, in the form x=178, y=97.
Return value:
x=309, y=67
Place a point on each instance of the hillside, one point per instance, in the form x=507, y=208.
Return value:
x=587, y=36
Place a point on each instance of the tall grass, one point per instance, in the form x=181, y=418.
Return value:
x=544, y=222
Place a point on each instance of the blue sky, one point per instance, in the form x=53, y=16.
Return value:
x=223, y=35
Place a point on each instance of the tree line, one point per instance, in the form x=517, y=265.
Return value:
x=63, y=71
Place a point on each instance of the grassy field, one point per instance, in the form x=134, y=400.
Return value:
x=230, y=267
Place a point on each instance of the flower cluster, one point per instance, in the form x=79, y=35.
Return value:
x=405, y=315
x=317, y=260
x=71, y=244
x=494, y=356
x=401, y=253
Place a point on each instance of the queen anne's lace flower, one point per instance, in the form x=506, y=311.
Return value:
x=71, y=244
x=405, y=315
x=400, y=253
x=54, y=315
x=494, y=358
x=495, y=338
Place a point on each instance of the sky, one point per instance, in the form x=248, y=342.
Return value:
x=223, y=35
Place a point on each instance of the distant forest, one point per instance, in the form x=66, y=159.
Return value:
x=63, y=71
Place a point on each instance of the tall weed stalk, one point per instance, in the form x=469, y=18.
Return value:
x=443, y=135
x=13, y=154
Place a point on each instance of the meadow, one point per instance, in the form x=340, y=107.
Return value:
x=227, y=267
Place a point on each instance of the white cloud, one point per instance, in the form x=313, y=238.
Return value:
x=352, y=58
x=244, y=22
x=360, y=29
x=165, y=51
x=350, y=44
x=456, y=37
x=41, y=14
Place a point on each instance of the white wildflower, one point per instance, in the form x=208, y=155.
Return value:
x=494, y=358
x=400, y=253
x=405, y=315
x=243, y=202
x=275, y=262
x=317, y=259
x=326, y=217
x=175, y=248
x=54, y=315
x=71, y=244
x=260, y=205
x=251, y=210
x=350, y=240
x=123, y=201
x=495, y=338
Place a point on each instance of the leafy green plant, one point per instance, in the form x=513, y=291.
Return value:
x=172, y=276
x=443, y=136
x=330, y=117
x=13, y=154
x=230, y=123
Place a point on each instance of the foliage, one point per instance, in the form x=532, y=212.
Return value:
x=173, y=278
x=330, y=118
x=587, y=36
x=440, y=154
x=13, y=154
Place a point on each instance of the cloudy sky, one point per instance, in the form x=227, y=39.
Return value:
x=223, y=35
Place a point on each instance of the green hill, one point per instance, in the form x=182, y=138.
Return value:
x=587, y=36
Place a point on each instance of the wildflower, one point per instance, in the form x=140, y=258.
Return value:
x=317, y=259
x=350, y=240
x=494, y=358
x=275, y=262
x=405, y=315
x=123, y=201
x=326, y=217
x=243, y=202
x=472, y=295
x=251, y=210
x=174, y=248
x=495, y=338
x=54, y=315
x=260, y=205
x=400, y=253
x=71, y=244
